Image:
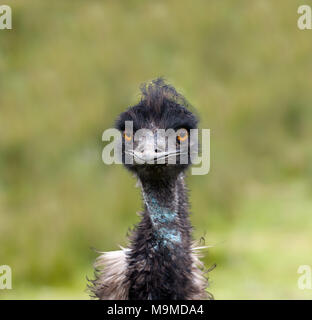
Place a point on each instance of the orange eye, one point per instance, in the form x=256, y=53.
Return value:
x=182, y=135
x=127, y=136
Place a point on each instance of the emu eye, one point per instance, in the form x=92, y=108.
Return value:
x=127, y=136
x=182, y=135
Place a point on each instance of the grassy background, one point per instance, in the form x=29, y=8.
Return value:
x=68, y=68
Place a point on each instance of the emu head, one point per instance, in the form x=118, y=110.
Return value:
x=156, y=132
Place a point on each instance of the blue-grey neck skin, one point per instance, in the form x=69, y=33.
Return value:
x=163, y=201
x=163, y=212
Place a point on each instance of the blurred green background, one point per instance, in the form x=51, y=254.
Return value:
x=68, y=68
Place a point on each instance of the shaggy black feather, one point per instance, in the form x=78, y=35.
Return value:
x=160, y=104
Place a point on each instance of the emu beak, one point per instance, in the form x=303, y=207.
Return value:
x=149, y=156
x=150, y=151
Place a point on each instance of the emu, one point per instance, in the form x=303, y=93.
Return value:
x=162, y=261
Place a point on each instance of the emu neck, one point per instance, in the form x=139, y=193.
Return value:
x=161, y=199
x=160, y=262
